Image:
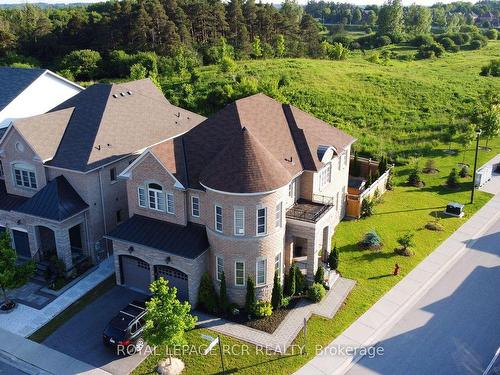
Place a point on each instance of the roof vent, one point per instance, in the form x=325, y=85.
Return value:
x=129, y=92
x=115, y=96
x=122, y=94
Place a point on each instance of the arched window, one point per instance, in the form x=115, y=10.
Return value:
x=156, y=197
x=24, y=175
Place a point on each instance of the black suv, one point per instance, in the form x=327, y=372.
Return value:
x=124, y=331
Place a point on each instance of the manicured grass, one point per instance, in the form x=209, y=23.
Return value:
x=44, y=332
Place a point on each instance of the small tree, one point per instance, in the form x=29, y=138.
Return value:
x=250, y=297
x=406, y=240
x=290, y=281
x=256, y=48
x=319, y=277
x=333, y=258
x=277, y=295
x=371, y=240
x=367, y=207
x=12, y=275
x=223, y=294
x=430, y=166
x=280, y=46
x=464, y=172
x=207, y=298
x=452, y=180
x=414, y=177
x=167, y=319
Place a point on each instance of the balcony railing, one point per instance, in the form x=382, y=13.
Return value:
x=311, y=212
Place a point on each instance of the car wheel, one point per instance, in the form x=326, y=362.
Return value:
x=139, y=345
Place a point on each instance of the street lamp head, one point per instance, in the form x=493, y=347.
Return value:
x=478, y=131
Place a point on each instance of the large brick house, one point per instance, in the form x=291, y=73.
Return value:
x=59, y=187
x=246, y=192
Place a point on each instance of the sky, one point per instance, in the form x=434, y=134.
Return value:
x=357, y=2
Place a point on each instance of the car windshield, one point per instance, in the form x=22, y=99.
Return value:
x=114, y=332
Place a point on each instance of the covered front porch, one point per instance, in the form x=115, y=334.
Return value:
x=308, y=236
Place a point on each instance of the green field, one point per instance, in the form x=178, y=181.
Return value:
x=401, y=108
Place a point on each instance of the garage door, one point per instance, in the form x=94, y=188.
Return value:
x=21, y=243
x=175, y=278
x=135, y=273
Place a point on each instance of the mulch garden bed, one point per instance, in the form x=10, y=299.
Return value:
x=267, y=324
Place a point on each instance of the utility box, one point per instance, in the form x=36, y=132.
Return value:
x=454, y=209
x=483, y=175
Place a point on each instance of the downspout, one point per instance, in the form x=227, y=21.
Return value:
x=103, y=214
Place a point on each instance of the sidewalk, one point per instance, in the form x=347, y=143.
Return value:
x=383, y=315
x=25, y=320
x=32, y=358
x=284, y=335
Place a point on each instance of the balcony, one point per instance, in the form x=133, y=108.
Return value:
x=309, y=211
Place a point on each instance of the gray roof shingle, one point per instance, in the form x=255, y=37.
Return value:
x=187, y=241
x=13, y=81
x=55, y=201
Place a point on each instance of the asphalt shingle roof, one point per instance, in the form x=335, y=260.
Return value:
x=13, y=81
x=55, y=201
x=188, y=241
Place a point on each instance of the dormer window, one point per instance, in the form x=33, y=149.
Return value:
x=24, y=175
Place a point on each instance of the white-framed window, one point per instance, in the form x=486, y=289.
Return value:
x=24, y=176
x=239, y=221
x=346, y=159
x=195, y=206
x=261, y=221
x=277, y=263
x=218, y=218
x=156, y=197
x=219, y=268
x=170, y=203
x=141, y=196
x=325, y=176
x=278, y=219
x=260, y=270
x=239, y=273
x=112, y=174
x=291, y=190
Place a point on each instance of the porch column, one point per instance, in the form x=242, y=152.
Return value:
x=63, y=247
x=288, y=253
x=313, y=247
x=34, y=240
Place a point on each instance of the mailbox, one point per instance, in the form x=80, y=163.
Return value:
x=454, y=209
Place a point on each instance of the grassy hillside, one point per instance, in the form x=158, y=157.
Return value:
x=403, y=107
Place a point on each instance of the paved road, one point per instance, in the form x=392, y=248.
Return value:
x=81, y=336
x=455, y=328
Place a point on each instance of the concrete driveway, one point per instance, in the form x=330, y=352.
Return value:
x=81, y=336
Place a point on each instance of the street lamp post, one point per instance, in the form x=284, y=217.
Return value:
x=478, y=133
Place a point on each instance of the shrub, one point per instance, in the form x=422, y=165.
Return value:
x=263, y=309
x=345, y=40
x=383, y=40
x=406, y=240
x=371, y=240
x=414, y=177
x=207, y=298
x=227, y=65
x=434, y=226
x=421, y=40
x=452, y=180
x=388, y=184
x=224, y=302
x=481, y=38
x=407, y=252
x=290, y=286
x=285, y=301
x=430, y=166
x=367, y=207
x=465, y=37
x=449, y=45
x=464, y=172
x=319, y=277
x=333, y=258
x=316, y=292
x=300, y=281
x=475, y=44
x=430, y=51
x=84, y=64
x=250, y=296
x=491, y=34
x=338, y=52
x=277, y=294
x=492, y=69
x=368, y=30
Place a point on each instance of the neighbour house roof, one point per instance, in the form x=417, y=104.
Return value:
x=55, y=201
x=255, y=144
x=44, y=132
x=106, y=122
x=13, y=81
x=188, y=241
x=8, y=201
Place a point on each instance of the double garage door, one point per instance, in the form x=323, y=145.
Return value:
x=136, y=274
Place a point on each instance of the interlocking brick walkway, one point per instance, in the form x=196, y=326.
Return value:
x=284, y=335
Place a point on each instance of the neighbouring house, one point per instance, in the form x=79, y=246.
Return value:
x=59, y=187
x=248, y=191
x=30, y=92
